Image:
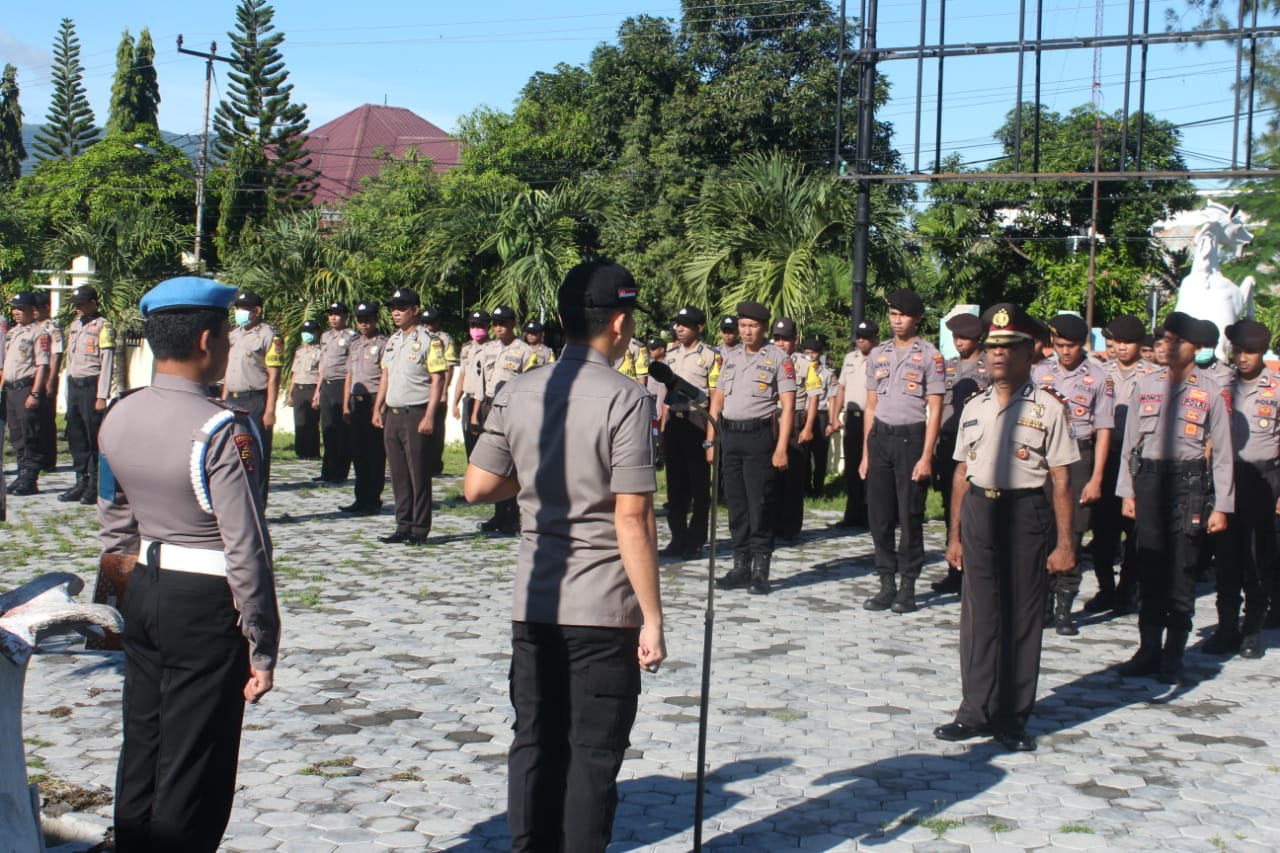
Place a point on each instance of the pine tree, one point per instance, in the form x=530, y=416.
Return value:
x=124, y=89
x=144, y=62
x=12, y=151
x=69, y=126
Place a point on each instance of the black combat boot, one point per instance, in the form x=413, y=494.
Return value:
x=1226, y=639
x=1251, y=645
x=760, y=574
x=1106, y=597
x=884, y=598
x=90, y=496
x=739, y=576
x=905, y=600
x=25, y=484
x=1147, y=659
x=1175, y=643
x=1062, y=621
x=1047, y=622
x=75, y=492
x=951, y=583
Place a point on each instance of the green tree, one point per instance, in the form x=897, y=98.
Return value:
x=68, y=128
x=135, y=98
x=12, y=151
x=144, y=63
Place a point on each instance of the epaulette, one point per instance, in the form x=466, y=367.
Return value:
x=230, y=407
x=1057, y=395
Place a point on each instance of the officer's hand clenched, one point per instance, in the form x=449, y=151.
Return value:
x=862, y=468
x=376, y=419
x=1091, y=492
x=653, y=648
x=1061, y=559
x=457, y=414
x=269, y=419
x=425, y=426
x=259, y=684
x=99, y=405
x=955, y=555
x=346, y=416
x=1217, y=521
x=1128, y=507
x=923, y=471
x=806, y=436
x=711, y=458
x=780, y=459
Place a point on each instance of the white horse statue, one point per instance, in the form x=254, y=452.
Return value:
x=1206, y=293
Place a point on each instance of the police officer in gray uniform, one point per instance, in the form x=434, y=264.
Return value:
x=534, y=335
x=304, y=385
x=572, y=443
x=253, y=373
x=335, y=344
x=26, y=367
x=49, y=400
x=1013, y=438
x=1169, y=487
x=469, y=392
x=755, y=399
x=849, y=405
x=180, y=490
x=363, y=379
x=685, y=439
x=503, y=358
x=431, y=319
x=793, y=481
x=91, y=347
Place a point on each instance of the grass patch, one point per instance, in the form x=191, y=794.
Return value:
x=330, y=768
x=309, y=597
x=1000, y=826
x=459, y=778
x=1218, y=843
x=1076, y=829
x=940, y=826
x=35, y=764
x=787, y=716
x=410, y=775
x=36, y=742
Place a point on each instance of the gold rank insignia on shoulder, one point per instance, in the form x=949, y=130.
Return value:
x=1038, y=408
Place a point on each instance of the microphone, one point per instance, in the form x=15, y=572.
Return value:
x=664, y=374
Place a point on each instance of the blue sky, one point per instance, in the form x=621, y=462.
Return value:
x=443, y=60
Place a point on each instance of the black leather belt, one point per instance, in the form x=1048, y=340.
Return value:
x=1086, y=443
x=82, y=381
x=406, y=410
x=1265, y=465
x=899, y=429
x=1173, y=466
x=240, y=395
x=20, y=383
x=997, y=494
x=360, y=398
x=747, y=426
x=331, y=381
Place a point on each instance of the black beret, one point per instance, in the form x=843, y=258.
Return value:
x=1125, y=328
x=42, y=298
x=754, y=311
x=1150, y=340
x=906, y=301
x=1209, y=333
x=1249, y=335
x=965, y=325
x=1070, y=326
x=1190, y=329
x=867, y=329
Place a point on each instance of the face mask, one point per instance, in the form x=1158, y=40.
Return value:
x=1204, y=356
x=477, y=333
x=242, y=317
x=308, y=337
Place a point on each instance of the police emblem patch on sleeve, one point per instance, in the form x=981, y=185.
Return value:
x=248, y=454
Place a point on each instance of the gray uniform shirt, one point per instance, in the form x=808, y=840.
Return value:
x=1124, y=380
x=1014, y=446
x=753, y=382
x=253, y=350
x=1177, y=422
x=1255, y=429
x=505, y=362
x=335, y=347
x=146, y=440
x=542, y=355
x=853, y=378
x=365, y=364
x=1089, y=391
x=808, y=382
x=57, y=342
x=964, y=378
x=91, y=348
x=903, y=378
x=575, y=435
x=472, y=365
x=26, y=351
x=306, y=365
x=409, y=359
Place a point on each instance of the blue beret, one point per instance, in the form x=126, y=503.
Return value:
x=185, y=293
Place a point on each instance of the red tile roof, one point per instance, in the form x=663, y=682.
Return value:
x=342, y=151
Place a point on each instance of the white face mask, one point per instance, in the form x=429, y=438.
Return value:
x=308, y=337
x=242, y=317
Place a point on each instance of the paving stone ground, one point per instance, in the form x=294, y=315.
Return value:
x=390, y=720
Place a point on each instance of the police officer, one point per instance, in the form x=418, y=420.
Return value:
x=1175, y=495
x=1126, y=366
x=469, y=391
x=573, y=442
x=412, y=388
x=1249, y=551
x=180, y=490
x=48, y=408
x=685, y=439
x=794, y=479
x=850, y=405
x=634, y=363
x=430, y=318
x=821, y=444
x=304, y=385
x=505, y=357
x=1013, y=437
x=1089, y=394
x=966, y=375
x=361, y=386
x=329, y=398
x=27, y=358
x=729, y=334
x=755, y=398
x=91, y=347
x=252, y=381
x=905, y=384
x=534, y=333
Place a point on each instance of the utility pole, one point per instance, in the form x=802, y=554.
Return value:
x=202, y=164
x=867, y=57
x=1097, y=167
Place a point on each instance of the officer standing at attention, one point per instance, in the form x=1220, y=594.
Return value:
x=905, y=383
x=1090, y=396
x=1013, y=438
x=755, y=400
x=794, y=480
x=966, y=375
x=1248, y=554
x=818, y=448
x=430, y=317
x=49, y=399
x=362, y=382
x=534, y=332
x=729, y=334
x=329, y=399
x=847, y=412
x=180, y=490
x=91, y=347
x=26, y=366
x=686, y=436
x=469, y=391
x=635, y=363
x=253, y=373
x=572, y=443
x=1168, y=486
x=304, y=385
x=412, y=388
x=505, y=357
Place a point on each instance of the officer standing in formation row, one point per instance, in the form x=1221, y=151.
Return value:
x=361, y=384
x=331, y=396
x=252, y=380
x=848, y=409
x=91, y=347
x=304, y=385
x=686, y=436
x=26, y=368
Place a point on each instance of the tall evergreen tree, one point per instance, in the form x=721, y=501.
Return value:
x=144, y=63
x=124, y=89
x=260, y=131
x=68, y=126
x=12, y=151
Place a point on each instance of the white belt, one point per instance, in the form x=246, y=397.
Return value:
x=176, y=558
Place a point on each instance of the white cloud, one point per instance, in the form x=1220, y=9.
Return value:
x=23, y=54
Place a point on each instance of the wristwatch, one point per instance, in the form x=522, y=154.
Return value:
x=708, y=444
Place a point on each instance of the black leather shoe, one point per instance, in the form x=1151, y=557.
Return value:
x=1251, y=646
x=493, y=525
x=1100, y=603
x=351, y=507
x=24, y=486
x=691, y=552
x=950, y=584
x=395, y=538
x=1016, y=740
x=674, y=548
x=1223, y=642
x=958, y=731
x=415, y=541
x=367, y=509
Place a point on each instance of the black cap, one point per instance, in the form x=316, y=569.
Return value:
x=366, y=309
x=690, y=316
x=966, y=326
x=1006, y=324
x=504, y=315
x=1190, y=329
x=310, y=326
x=1125, y=328
x=337, y=308
x=42, y=298
x=867, y=329
x=811, y=344
x=906, y=301
x=1150, y=340
x=533, y=327
x=429, y=315
x=1069, y=326
x=26, y=299
x=599, y=284
x=1209, y=333
x=478, y=318
x=753, y=311
x=1249, y=335
x=83, y=293
x=247, y=299
x=784, y=327
x=729, y=323
x=656, y=343
x=404, y=298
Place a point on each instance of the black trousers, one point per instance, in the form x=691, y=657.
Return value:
x=48, y=439
x=1078, y=475
x=1108, y=526
x=255, y=403
x=24, y=427
x=186, y=665
x=83, y=420
x=1169, y=505
x=894, y=499
x=370, y=452
x=437, y=439
x=819, y=451
x=469, y=435
x=750, y=489
x=855, y=501
x=944, y=473
x=1006, y=544
x=574, y=690
x=688, y=480
x=792, y=484
x=335, y=466
x=306, y=423
x=1249, y=548
x=409, y=457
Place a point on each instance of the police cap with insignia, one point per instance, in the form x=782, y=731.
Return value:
x=248, y=299
x=533, y=327
x=404, y=298
x=1190, y=329
x=83, y=293
x=26, y=299
x=867, y=329
x=1125, y=328
x=906, y=302
x=753, y=311
x=729, y=323
x=691, y=316
x=811, y=345
x=1249, y=335
x=965, y=325
x=1006, y=324
x=366, y=309
x=1072, y=327
x=310, y=326
x=337, y=308
x=186, y=293
x=430, y=315
x=656, y=343
x=478, y=318
x=599, y=284
x=785, y=327
x=504, y=315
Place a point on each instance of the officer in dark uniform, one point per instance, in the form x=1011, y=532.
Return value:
x=819, y=448
x=1175, y=495
x=304, y=385
x=966, y=375
x=729, y=334
x=26, y=367
x=91, y=347
x=1013, y=437
x=850, y=405
x=430, y=318
x=685, y=439
x=794, y=481
x=49, y=399
x=1249, y=552
x=253, y=373
x=755, y=398
x=905, y=385
x=503, y=358
x=180, y=491
x=362, y=383
x=329, y=400
x=534, y=334
x=469, y=391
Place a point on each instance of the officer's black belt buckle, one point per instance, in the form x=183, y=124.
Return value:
x=359, y=398
x=748, y=426
x=679, y=414
x=20, y=383
x=328, y=381
x=899, y=429
x=997, y=494
x=405, y=410
x=1186, y=467
x=1086, y=443
x=239, y=395
x=82, y=381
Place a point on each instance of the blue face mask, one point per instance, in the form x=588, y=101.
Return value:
x=308, y=337
x=1204, y=356
x=242, y=317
